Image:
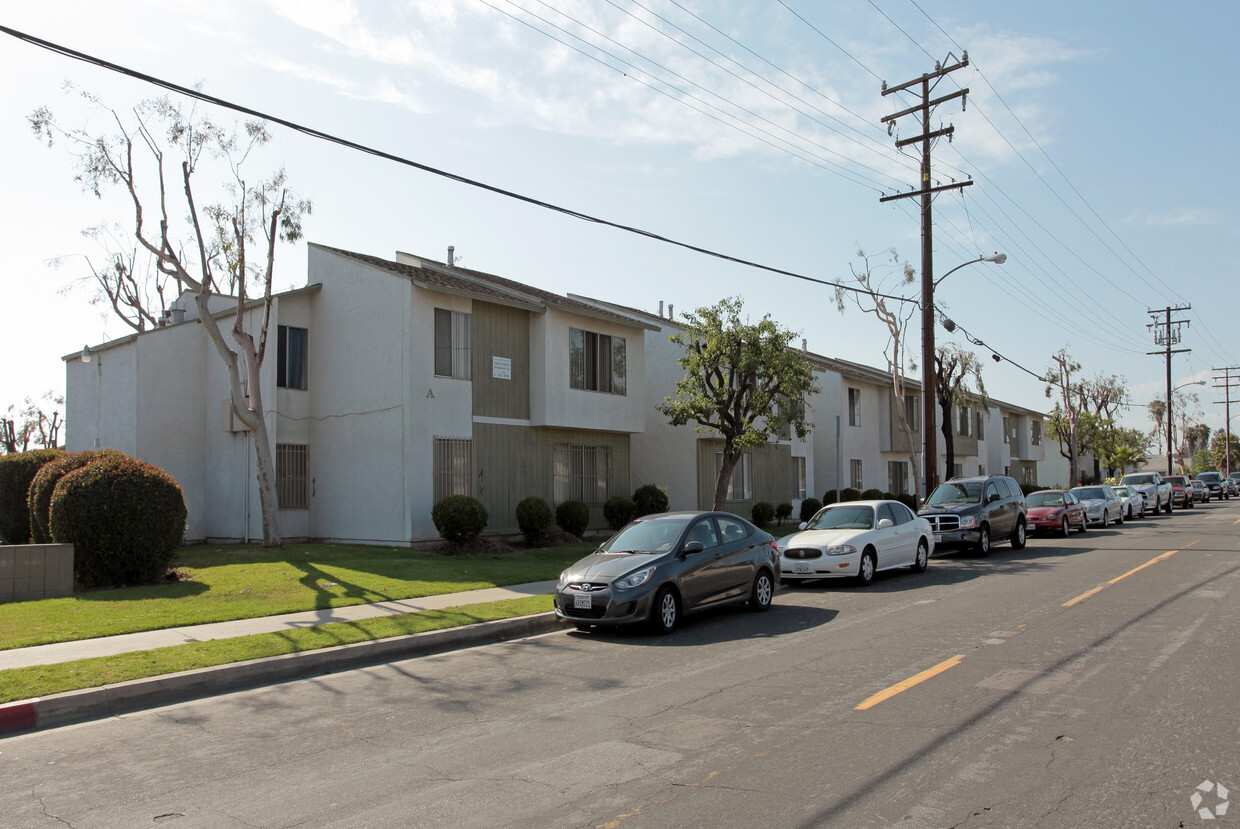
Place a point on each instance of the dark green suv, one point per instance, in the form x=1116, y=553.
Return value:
x=976, y=512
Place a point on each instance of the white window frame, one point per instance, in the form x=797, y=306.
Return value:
x=854, y=407
x=286, y=377
x=964, y=421
x=597, y=362
x=453, y=354
x=855, y=471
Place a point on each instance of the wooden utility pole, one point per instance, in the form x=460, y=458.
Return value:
x=1166, y=336
x=927, y=82
x=1226, y=386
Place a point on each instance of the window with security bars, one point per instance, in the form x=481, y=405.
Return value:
x=897, y=477
x=582, y=473
x=454, y=467
x=292, y=476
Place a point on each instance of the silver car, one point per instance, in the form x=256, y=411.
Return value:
x=1102, y=504
x=1133, y=500
x=660, y=567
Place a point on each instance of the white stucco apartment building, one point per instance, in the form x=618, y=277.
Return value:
x=391, y=383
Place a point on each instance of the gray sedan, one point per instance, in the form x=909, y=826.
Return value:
x=661, y=567
x=1102, y=504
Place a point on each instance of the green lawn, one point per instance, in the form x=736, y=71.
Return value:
x=244, y=581
x=43, y=680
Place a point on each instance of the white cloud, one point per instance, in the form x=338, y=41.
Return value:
x=1175, y=218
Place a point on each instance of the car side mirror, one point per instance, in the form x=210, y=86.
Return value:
x=994, y=496
x=692, y=547
x=884, y=523
x=804, y=524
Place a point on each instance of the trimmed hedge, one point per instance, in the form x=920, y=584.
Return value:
x=809, y=508
x=871, y=494
x=619, y=511
x=762, y=514
x=16, y=473
x=39, y=500
x=908, y=499
x=783, y=511
x=534, y=519
x=850, y=493
x=573, y=517
x=828, y=497
x=124, y=519
x=459, y=518
x=648, y=499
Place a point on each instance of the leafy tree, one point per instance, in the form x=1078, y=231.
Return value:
x=1102, y=397
x=1123, y=449
x=1224, y=452
x=742, y=381
x=876, y=281
x=953, y=368
x=156, y=150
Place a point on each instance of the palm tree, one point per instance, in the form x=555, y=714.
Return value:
x=1123, y=457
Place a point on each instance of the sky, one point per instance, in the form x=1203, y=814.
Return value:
x=1094, y=133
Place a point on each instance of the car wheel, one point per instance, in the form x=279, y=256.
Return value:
x=923, y=557
x=1191, y=504
x=1106, y=522
x=1018, y=538
x=1142, y=509
x=762, y=592
x=1063, y=527
x=665, y=612
x=983, y=541
x=1157, y=508
x=1168, y=508
x=1120, y=520
x=1084, y=524
x=865, y=575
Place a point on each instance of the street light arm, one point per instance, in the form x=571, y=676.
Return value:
x=996, y=258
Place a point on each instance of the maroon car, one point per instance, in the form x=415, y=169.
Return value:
x=1056, y=511
x=1181, y=491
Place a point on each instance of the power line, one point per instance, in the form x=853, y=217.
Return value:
x=353, y=145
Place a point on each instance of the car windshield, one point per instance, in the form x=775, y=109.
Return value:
x=844, y=517
x=657, y=535
x=1199, y=484
x=1090, y=493
x=1210, y=477
x=954, y=492
x=1177, y=480
x=1046, y=499
x=1122, y=491
x=1137, y=479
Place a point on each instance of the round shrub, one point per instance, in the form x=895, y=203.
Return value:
x=871, y=495
x=648, y=499
x=459, y=518
x=618, y=511
x=16, y=473
x=573, y=517
x=762, y=513
x=850, y=493
x=123, y=517
x=828, y=497
x=908, y=499
x=534, y=518
x=783, y=511
x=809, y=508
x=39, y=500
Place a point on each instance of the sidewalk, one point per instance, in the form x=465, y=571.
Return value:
x=151, y=639
x=169, y=689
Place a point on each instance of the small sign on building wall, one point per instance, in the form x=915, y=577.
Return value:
x=501, y=368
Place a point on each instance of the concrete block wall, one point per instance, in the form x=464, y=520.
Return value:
x=35, y=571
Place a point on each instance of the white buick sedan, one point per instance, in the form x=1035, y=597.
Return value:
x=856, y=539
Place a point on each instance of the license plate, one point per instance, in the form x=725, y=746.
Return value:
x=581, y=602
x=800, y=568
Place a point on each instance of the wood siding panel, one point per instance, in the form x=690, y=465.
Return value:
x=515, y=462
x=772, y=477
x=499, y=331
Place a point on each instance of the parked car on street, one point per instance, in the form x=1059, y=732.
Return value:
x=1181, y=492
x=1102, y=504
x=1134, y=502
x=856, y=539
x=1157, y=492
x=1235, y=481
x=1233, y=486
x=1201, y=492
x=1056, y=511
x=659, y=568
x=974, y=512
x=1214, y=482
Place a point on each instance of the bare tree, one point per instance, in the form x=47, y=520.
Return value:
x=157, y=149
x=876, y=280
x=953, y=366
x=1158, y=413
x=1064, y=424
x=39, y=425
x=1103, y=397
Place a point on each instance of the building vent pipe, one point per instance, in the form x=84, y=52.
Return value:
x=451, y=255
x=804, y=345
x=660, y=309
x=671, y=315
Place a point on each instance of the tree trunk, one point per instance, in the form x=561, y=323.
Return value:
x=949, y=439
x=731, y=457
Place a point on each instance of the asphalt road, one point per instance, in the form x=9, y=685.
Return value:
x=1089, y=681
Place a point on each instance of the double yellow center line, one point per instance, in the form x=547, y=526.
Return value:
x=947, y=664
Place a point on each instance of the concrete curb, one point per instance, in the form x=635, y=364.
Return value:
x=140, y=694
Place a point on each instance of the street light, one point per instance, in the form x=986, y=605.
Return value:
x=930, y=457
x=1171, y=421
